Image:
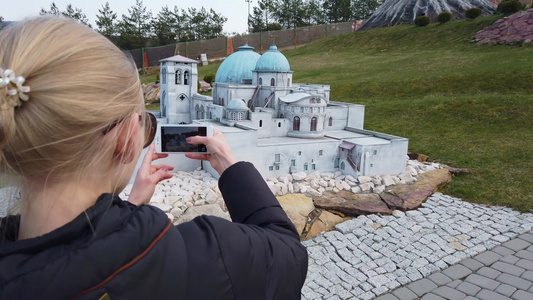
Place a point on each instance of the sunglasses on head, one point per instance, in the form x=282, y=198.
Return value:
x=150, y=127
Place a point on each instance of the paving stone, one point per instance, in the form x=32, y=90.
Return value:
x=508, y=268
x=527, y=275
x=387, y=297
x=516, y=244
x=457, y=271
x=422, y=286
x=510, y=259
x=482, y=282
x=449, y=293
x=505, y=290
x=487, y=257
x=503, y=251
x=404, y=293
x=528, y=237
x=515, y=281
x=439, y=279
x=525, y=263
x=522, y=295
x=454, y=283
x=470, y=298
x=431, y=296
x=468, y=288
x=524, y=254
x=472, y=264
x=490, y=295
x=488, y=272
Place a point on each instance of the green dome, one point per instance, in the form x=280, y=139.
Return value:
x=238, y=66
x=273, y=61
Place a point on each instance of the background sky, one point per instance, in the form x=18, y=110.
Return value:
x=235, y=10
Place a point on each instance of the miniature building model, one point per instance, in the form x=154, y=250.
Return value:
x=280, y=126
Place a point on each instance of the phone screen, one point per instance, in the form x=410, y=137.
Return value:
x=173, y=139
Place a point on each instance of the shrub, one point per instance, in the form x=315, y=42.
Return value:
x=444, y=17
x=209, y=78
x=473, y=13
x=510, y=7
x=421, y=21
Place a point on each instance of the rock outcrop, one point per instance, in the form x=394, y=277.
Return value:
x=151, y=92
x=352, y=204
x=517, y=28
x=395, y=12
x=408, y=197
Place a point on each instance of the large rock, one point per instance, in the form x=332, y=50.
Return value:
x=325, y=222
x=513, y=29
x=297, y=207
x=151, y=92
x=209, y=209
x=407, y=197
x=394, y=12
x=352, y=204
x=205, y=87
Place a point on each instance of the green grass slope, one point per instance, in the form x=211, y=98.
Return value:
x=464, y=105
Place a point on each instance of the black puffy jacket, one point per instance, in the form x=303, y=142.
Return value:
x=130, y=252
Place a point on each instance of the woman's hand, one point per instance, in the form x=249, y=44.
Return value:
x=220, y=155
x=148, y=176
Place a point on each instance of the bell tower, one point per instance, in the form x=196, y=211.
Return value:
x=179, y=82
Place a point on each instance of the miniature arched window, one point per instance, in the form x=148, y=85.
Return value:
x=296, y=124
x=279, y=125
x=186, y=78
x=330, y=121
x=164, y=79
x=288, y=82
x=343, y=165
x=164, y=97
x=260, y=123
x=240, y=116
x=178, y=77
x=260, y=81
x=313, y=123
x=233, y=116
x=272, y=82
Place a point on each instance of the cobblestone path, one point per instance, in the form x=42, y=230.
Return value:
x=447, y=249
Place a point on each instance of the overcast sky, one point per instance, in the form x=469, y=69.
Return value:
x=235, y=10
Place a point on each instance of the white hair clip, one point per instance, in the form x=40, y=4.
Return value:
x=8, y=77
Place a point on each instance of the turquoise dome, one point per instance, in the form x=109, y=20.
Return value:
x=238, y=66
x=273, y=61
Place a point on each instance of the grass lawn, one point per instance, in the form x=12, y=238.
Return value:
x=464, y=105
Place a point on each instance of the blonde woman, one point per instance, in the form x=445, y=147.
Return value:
x=72, y=126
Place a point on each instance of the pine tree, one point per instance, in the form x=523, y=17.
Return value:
x=338, y=10
x=54, y=10
x=106, y=21
x=362, y=9
x=76, y=14
x=71, y=12
x=162, y=26
x=135, y=28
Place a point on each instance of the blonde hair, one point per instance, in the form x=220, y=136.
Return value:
x=80, y=84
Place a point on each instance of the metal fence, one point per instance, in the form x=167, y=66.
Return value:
x=222, y=47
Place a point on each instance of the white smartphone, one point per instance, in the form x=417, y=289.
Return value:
x=172, y=138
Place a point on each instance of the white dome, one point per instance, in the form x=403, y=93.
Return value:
x=237, y=104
